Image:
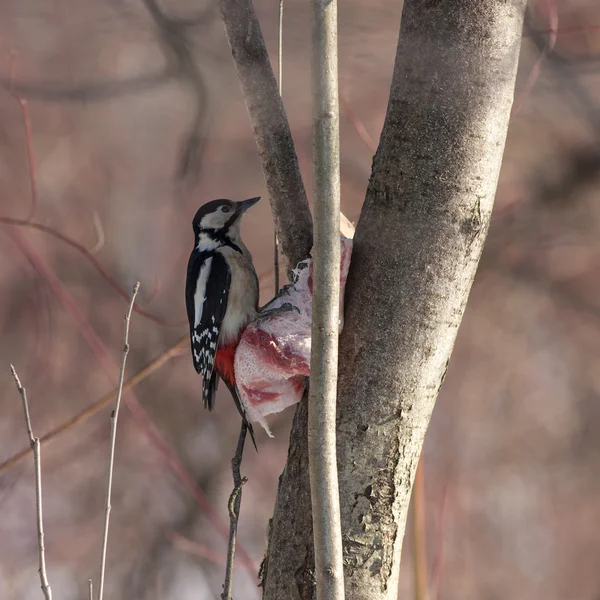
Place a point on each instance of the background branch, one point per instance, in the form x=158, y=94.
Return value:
x=50, y=91
x=174, y=35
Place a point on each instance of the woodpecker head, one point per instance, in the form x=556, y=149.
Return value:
x=220, y=218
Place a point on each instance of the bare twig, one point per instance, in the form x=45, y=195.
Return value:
x=235, y=501
x=289, y=204
x=280, y=50
x=90, y=590
x=280, y=86
x=275, y=263
x=113, y=438
x=322, y=395
x=36, y=447
x=28, y=136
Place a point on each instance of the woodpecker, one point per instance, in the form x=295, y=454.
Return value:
x=221, y=295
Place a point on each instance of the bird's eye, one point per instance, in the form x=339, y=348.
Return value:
x=225, y=209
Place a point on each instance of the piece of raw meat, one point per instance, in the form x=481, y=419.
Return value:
x=272, y=360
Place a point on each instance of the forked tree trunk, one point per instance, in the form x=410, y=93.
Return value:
x=416, y=249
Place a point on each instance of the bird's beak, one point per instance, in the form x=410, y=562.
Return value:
x=244, y=205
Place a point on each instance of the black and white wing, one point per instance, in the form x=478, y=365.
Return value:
x=206, y=294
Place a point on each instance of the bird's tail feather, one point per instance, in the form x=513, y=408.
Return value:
x=210, y=391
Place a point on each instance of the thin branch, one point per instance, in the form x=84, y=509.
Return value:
x=289, y=203
x=322, y=395
x=280, y=50
x=37, y=460
x=28, y=136
x=280, y=87
x=90, y=590
x=113, y=438
x=235, y=501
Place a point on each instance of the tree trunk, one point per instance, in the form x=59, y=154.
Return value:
x=416, y=250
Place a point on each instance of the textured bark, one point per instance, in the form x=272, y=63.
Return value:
x=416, y=249
x=289, y=205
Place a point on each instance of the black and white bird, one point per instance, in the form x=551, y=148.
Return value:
x=221, y=294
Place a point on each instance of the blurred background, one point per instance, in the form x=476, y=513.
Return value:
x=135, y=119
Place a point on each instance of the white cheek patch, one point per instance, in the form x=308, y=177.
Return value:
x=200, y=294
x=214, y=220
x=206, y=243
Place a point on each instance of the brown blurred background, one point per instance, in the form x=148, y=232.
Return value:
x=132, y=129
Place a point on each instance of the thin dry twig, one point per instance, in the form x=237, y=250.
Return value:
x=235, y=502
x=113, y=437
x=28, y=137
x=322, y=395
x=36, y=447
x=280, y=87
x=90, y=590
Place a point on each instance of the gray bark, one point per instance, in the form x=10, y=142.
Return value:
x=325, y=304
x=416, y=250
x=289, y=205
